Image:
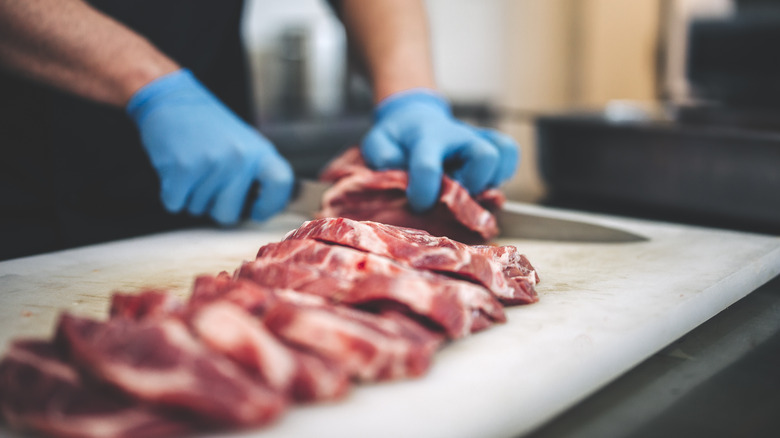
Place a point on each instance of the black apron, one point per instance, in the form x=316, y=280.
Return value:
x=74, y=172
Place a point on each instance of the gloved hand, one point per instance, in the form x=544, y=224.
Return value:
x=206, y=157
x=415, y=130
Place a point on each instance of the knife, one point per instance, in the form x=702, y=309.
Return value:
x=514, y=220
x=307, y=196
x=522, y=221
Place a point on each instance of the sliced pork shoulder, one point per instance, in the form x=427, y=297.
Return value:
x=230, y=329
x=363, y=194
x=345, y=275
x=516, y=268
x=421, y=250
x=158, y=361
x=369, y=347
x=41, y=391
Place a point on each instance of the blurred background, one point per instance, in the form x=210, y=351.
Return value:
x=656, y=108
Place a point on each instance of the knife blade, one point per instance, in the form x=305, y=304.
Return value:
x=307, y=196
x=517, y=222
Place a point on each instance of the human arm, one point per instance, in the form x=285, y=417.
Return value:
x=392, y=41
x=71, y=46
x=414, y=127
x=205, y=156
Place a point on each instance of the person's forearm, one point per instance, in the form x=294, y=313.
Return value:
x=391, y=37
x=71, y=46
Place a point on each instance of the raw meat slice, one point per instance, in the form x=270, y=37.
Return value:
x=389, y=321
x=363, y=194
x=491, y=199
x=223, y=314
x=252, y=297
x=222, y=326
x=229, y=329
x=345, y=275
x=318, y=379
x=148, y=303
x=158, y=361
x=516, y=266
x=369, y=347
x=426, y=341
x=381, y=197
x=420, y=250
x=326, y=373
x=41, y=391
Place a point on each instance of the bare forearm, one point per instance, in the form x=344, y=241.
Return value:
x=392, y=38
x=71, y=46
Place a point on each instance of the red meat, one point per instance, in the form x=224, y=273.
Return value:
x=42, y=391
x=363, y=194
x=345, y=275
x=420, y=250
x=158, y=361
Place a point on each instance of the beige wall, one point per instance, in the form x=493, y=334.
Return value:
x=566, y=54
x=618, y=50
x=539, y=54
x=580, y=52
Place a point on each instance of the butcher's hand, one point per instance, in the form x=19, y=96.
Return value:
x=207, y=158
x=415, y=130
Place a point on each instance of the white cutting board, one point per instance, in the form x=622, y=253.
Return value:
x=603, y=308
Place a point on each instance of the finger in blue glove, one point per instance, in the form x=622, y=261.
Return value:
x=508, y=151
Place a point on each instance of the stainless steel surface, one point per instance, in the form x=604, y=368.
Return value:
x=307, y=198
x=518, y=224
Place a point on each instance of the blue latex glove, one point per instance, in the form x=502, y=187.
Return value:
x=415, y=130
x=206, y=157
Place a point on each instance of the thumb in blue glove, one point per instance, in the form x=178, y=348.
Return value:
x=415, y=130
x=206, y=157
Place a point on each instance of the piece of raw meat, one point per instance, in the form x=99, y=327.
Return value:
x=147, y=303
x=41, y=391
x=318, y=378
x=401, y=345
x=353, y=277
x=250, y=296
x=369, y=347
x=158, y=361
x=223, y=314
x=229, y=329
x=363, y=194
x=421, y=250
x=515, y=265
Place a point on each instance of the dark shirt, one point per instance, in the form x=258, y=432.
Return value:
x=74, y=172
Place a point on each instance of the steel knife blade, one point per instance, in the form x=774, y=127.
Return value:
x=518, y=221
x=307, y=197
